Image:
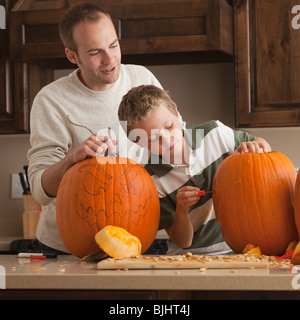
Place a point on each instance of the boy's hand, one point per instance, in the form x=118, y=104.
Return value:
x=258, y=145
x=186, y=197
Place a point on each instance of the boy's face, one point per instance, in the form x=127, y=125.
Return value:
x=161, y=133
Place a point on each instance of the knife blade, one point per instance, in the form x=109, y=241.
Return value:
x=27, y=180
x=22, y=179
x=108, y=153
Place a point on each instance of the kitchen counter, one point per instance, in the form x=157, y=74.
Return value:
x=68, y=274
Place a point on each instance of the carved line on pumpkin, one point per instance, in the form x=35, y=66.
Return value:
x=98, y=167
x=128, y=186
x=91, y=216
x=117, y=199
x=102, y=184
x=129, y=182
x=95, y=186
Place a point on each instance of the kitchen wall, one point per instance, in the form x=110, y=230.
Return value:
x=202, y=92
x=206, y=92
x=13, y=157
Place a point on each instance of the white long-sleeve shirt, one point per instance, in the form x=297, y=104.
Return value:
x=52, y=136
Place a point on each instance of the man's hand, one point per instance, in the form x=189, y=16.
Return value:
x=95, y=145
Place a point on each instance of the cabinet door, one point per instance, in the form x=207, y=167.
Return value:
x=19, y=83
x=14, y=117
x=6, y=108
x=267, y=64
x=150, y=31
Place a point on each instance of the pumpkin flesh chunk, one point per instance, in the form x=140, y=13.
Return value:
x=117, y=242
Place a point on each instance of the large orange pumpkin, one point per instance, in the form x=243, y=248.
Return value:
x=253, y=200
x=100, y=191
x=297, y=203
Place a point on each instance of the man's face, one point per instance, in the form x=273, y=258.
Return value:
x=98, y=53
x=161, y=133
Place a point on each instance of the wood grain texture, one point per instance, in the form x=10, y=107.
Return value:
x=185, y=262
x=266, y=64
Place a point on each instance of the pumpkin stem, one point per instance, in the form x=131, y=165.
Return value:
x=79, y=125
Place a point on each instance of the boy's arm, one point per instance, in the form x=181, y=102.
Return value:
x=182, y=231
x=256, y=145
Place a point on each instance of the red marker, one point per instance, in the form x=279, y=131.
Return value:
x=37, y=257
x=203, y=193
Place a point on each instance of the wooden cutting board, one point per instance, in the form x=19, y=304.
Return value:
x=184, y=262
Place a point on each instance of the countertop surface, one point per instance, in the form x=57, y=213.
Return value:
x=69, y=272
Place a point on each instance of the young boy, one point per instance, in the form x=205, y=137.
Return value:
x=183, y=162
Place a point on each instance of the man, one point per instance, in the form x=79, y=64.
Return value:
x=89, y=96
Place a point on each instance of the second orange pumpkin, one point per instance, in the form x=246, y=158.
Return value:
x=297, y=202
x=253, y=197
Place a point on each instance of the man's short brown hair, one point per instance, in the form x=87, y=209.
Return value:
x=140, y=101
x=85, y=12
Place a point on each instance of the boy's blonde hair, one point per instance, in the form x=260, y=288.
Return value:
x=140, y=101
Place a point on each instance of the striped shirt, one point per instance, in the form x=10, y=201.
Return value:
x=209, y=144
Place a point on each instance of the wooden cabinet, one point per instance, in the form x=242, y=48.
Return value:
x=267, y=64
x=19, y=83
x=150, y=31
x=11, y=119
x=257, y=35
